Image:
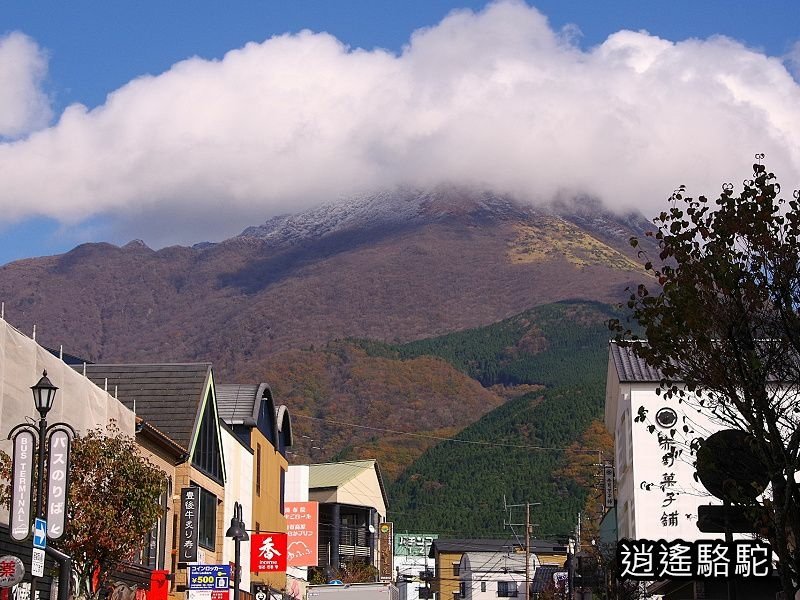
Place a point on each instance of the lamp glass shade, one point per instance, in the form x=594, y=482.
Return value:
x=44, y=393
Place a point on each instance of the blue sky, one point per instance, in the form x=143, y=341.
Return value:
x=155, y=160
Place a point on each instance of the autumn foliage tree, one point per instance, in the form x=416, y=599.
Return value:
x=113, y=503
x=722, y=324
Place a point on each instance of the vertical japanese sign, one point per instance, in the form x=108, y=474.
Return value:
x=189, y=534
x=302, y=533
x=58, y=468
x=21, y=489
x=268, y=552
x=608, y=485
x=386, y=541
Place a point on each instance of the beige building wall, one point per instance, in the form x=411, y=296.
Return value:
x=268, y=465
x=445, y=578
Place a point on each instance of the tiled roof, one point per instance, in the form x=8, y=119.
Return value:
x=166, y=395
x=467, y=545
x=543, y=577
x=631, y=368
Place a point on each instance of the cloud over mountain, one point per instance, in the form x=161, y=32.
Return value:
x=23, y=105
x=496, y=98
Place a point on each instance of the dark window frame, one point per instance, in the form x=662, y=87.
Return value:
x=207, y=451
x=258, y=469
x=207, y=523
x=507, y=589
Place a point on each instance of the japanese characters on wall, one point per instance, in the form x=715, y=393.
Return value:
x=666, y=494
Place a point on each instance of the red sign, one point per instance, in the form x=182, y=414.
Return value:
x=301, y=530
x=268, y=552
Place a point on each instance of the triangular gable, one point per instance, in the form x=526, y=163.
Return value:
x=206, y=451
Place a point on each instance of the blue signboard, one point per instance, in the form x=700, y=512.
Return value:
x=209, y=577
x=40, y=533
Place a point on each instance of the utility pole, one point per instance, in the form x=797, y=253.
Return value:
x=527, y=526
x=527, y=549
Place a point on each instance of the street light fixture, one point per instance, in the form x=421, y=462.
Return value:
x=44, y=393
x=238, y=533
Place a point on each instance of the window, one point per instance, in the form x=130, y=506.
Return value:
x=483, y=586
x=258, y=469
x=462, y=589
x=456, y=569
x=507, y=589
x=206, y=455
x=207, y=522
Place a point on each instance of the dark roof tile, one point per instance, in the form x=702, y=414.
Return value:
x=166, y=395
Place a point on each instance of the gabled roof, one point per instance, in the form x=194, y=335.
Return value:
x=630, y=368
x=168, y=396
x=334, y=475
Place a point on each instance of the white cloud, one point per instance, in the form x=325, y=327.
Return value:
x=23, y=105
x=496, y=97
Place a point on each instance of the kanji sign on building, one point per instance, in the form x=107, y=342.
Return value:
x=302, y=533
x=189, y=518
x=268, y=552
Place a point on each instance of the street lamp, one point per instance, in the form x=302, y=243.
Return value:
x=44, y=393
x=57, y=449
x=238, y=533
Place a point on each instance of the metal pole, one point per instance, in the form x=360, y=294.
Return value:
x=237, y=560
x=39, y=487
x=527, y=550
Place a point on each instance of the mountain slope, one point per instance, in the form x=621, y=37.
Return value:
x=511, y=452
x=400, y=266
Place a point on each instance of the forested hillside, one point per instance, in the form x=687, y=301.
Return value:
x=457, y=487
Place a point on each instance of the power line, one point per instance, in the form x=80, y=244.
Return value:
x=445, y=439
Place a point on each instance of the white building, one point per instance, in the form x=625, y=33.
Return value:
x=485, y=575
x=238, y=488
x=657, y=495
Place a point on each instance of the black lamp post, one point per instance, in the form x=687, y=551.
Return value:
x=238, y=533
x=57, y=448
x=44, y=393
